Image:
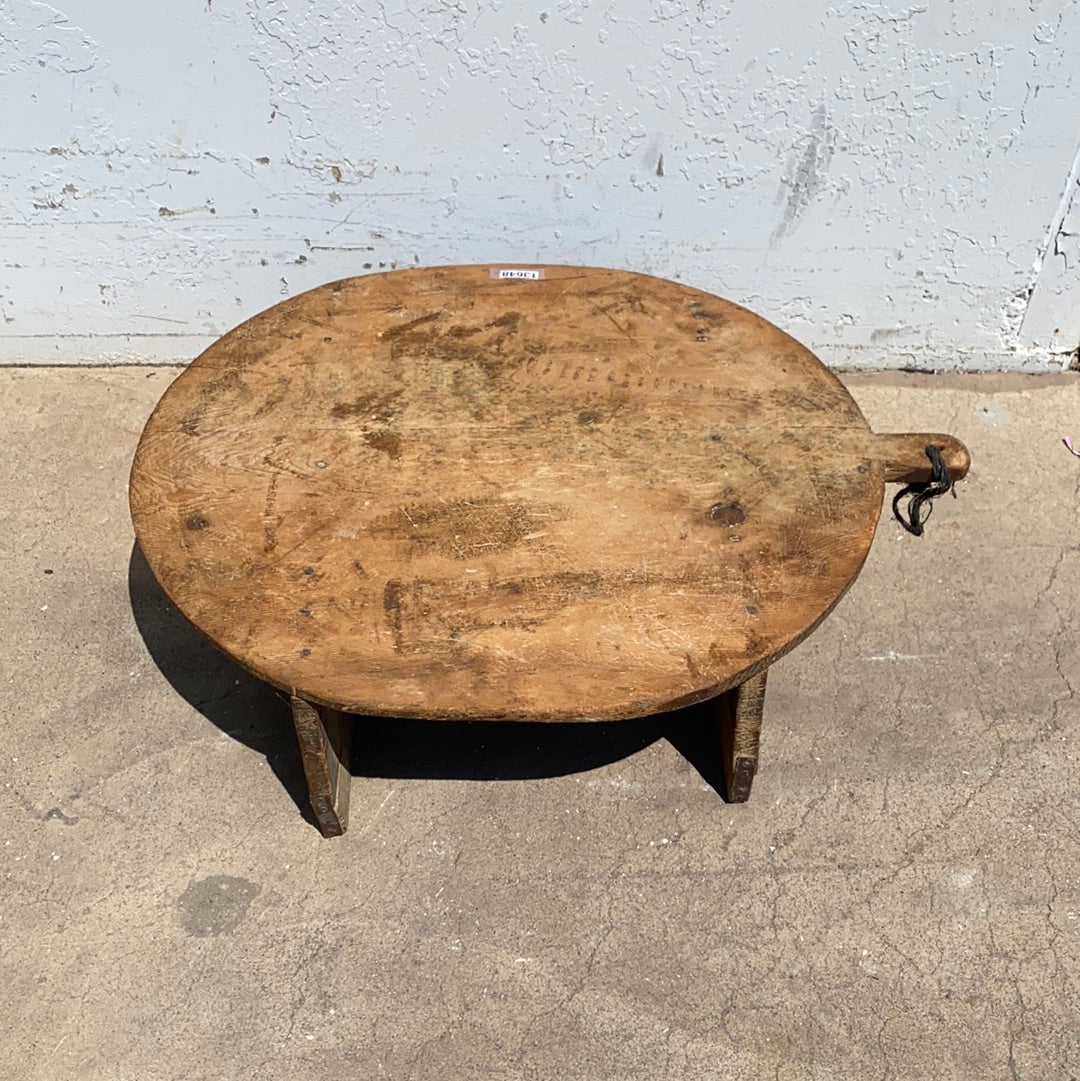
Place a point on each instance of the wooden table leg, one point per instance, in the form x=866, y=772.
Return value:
x=324, y=736
x=740, y=730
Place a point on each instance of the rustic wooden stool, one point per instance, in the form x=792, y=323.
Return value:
x=510, y=493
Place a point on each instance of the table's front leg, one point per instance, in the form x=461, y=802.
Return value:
x=324, y=736
x=740, y=730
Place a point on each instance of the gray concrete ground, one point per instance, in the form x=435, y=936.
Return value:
x=899, y=899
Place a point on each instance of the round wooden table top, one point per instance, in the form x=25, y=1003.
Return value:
x=529, y=493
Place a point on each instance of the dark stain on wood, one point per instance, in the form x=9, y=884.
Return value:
x=729, y=514
x=404, y=329
x=508, y=320
x=393, y=592
x=387, y=442
x=477, y=345
x=380, y=408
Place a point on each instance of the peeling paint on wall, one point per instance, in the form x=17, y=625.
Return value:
x=1052, y=309
x=892, y=183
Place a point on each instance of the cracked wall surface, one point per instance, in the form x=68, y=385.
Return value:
x=892, y=183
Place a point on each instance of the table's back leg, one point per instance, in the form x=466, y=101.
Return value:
x=740, y=730
x=324, y=736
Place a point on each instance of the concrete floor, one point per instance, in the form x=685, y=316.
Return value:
x=899, y=899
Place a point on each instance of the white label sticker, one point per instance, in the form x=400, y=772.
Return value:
x=518, y=275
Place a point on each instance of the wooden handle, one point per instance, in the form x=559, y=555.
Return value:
x=906, y=461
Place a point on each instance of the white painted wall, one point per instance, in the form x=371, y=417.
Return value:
x=891, y=182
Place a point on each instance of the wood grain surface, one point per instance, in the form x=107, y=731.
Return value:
x=437, y=493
